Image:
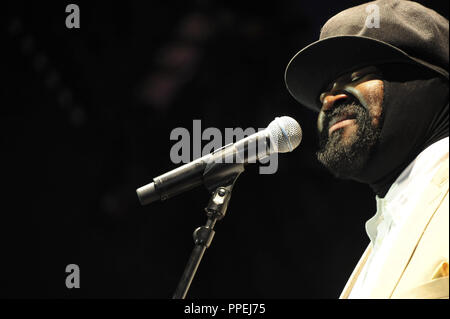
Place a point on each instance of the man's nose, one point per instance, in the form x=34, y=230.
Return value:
x=329, y=101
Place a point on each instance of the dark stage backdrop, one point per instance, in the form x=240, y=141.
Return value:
x=86, y=118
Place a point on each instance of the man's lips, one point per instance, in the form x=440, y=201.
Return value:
x=340, y=122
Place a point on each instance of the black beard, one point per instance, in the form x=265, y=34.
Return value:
x=346, y=160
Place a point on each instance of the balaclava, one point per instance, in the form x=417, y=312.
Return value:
x=415, y=115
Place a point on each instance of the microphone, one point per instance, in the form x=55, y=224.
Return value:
x=282, y=135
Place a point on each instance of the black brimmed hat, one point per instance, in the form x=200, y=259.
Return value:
x=407, y=32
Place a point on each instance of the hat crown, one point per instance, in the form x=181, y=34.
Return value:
x=418, y=31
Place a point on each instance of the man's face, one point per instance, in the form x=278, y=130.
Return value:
x=349, y=121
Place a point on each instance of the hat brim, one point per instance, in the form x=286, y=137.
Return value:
x=315, y=66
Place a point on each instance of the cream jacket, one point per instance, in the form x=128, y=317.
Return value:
x=417, y=266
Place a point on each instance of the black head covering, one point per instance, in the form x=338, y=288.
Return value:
x=415, y=115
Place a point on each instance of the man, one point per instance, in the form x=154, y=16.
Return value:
x=381, y=90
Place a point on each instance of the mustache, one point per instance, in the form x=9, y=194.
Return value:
x=348, y=110
x=352, y=109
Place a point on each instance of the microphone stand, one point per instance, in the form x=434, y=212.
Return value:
x=221, y=179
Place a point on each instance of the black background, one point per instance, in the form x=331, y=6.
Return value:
x=85, y=120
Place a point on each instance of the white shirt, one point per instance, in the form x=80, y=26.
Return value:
x=394, y=209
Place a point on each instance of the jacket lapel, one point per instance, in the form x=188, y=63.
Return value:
x=355, y=274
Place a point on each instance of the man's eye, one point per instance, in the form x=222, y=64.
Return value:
x=356, y=77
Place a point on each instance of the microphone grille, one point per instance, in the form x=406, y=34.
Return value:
x=285, y=133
